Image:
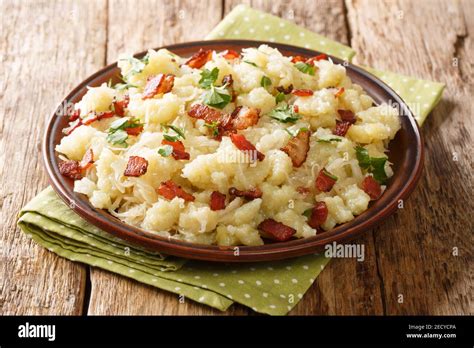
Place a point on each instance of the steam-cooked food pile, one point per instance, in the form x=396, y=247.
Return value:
x=230, y=148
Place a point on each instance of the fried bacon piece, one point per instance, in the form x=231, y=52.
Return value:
x=71, y=169
x=72, y=126
x=339, y=92
x=276, y=230
x=371, y=187
x=136, y=166
x=162, y=83
x=244, y=117
x=243, y=144
x=341, y=128
x=302, y=92
x=325, y=181
x=297, y=59
x=249, y=194
x=230, y=54
x=88, y=159
x=284, y=90
x=347, y=116
x=120, y=105
x=199, y=59
x=134, y=130
x=170, y=190
x=217, y=200
x=298, y=147
x=316, y=58
x=319, y=214
x=97, y=117
x=296, y=108
x=179, y=152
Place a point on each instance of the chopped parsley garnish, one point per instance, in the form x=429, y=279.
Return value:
x=279, y=97
x=251, y=63
x=217, y=97
x=375, y=165
x=208, y=78
x=137, y=65
x=165, y=150
x=213, y=127
x=328, y=141
x=117, y=134
x=265, y=82
x=305, y=68
x=179, y=133
x=285, y=114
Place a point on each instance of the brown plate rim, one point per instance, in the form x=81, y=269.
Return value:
x=275, y=251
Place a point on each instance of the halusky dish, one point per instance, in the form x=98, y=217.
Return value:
x=229, y=148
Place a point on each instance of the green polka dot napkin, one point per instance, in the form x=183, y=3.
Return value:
x=273, y=287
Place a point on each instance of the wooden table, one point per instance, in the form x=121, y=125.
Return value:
x=419, y=261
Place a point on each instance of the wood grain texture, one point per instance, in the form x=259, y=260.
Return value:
x=410, y=255
x=38, y=52
x=416, y=248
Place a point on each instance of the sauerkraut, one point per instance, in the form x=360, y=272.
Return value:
x=230, y=148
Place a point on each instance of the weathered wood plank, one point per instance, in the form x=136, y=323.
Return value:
x=358, y=290
x=415, y=248
x=47, y=47
x=135, y=26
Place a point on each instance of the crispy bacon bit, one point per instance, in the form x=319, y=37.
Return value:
x=71, y=169
x=136, y=166
x=87, y=160
x=324, y=182
x=298, y=147
x=230, y=54
x=162, y=83
x=170, y=190
x=217, y=200
x=319, y=214
x=347, y=116
x=75, y=115
x=339, y=92
x=228, y=80
x=134, y=130
x=341, y=128
x=371, y=187
x=249, y=194
x=120, y=105
x=179, y=152
x=303, y=190
x=284, y=90
x=97, y=116
x=316, y=58
x=243, y=144
x=199, y=59
x=297, y=59
x=244, y=117
x=276, y=230
x=302, y=92
x=296, y=108
x=77, y=123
